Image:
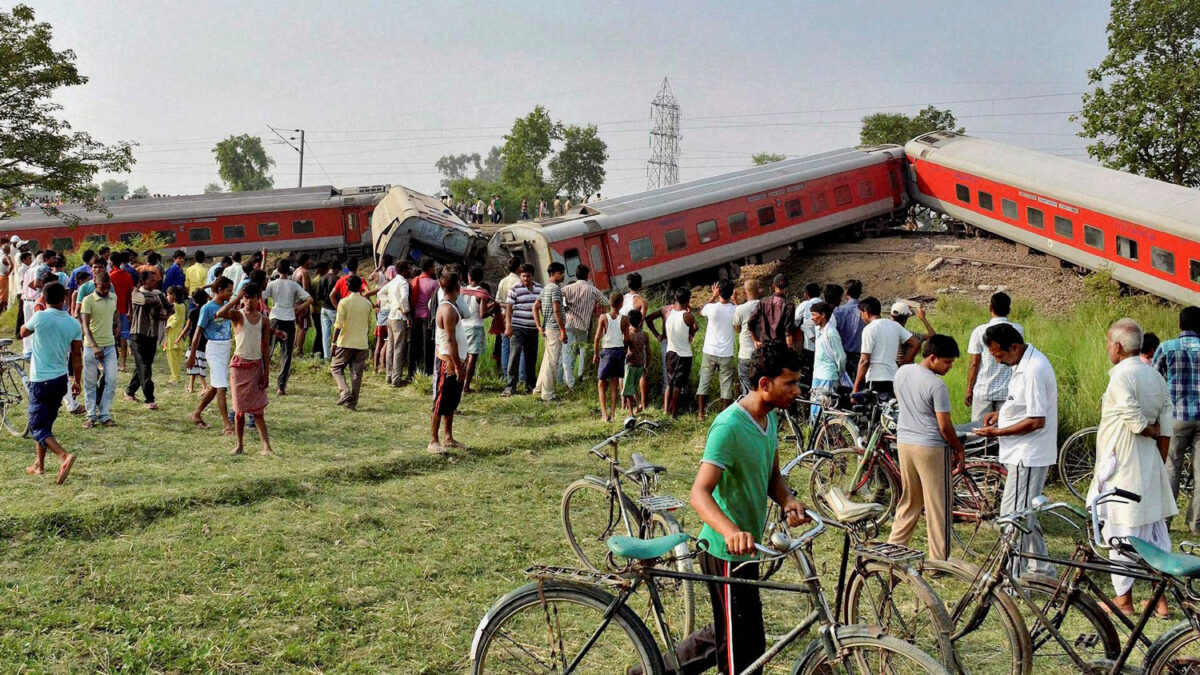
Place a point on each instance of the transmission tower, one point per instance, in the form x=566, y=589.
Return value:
x=663, y=168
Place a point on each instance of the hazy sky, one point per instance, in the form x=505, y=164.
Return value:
x=385, y=88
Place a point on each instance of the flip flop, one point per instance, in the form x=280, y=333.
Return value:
x=65, y=469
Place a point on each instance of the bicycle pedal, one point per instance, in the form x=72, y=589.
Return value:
x=659, y=503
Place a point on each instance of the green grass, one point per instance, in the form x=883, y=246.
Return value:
x=353, y=550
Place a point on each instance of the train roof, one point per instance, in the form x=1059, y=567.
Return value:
x=196, y=206
x=683, y=196
x=1171, y=208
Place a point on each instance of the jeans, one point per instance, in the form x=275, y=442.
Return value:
x=574, y=357
x=505, y=351
x=1185, y=438
x=97, y=399
x=328, y=316
x=144, y=348
x=288, y=342
x=420, y=346
x=522, y=352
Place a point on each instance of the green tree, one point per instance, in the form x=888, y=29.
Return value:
x=1144, y=114
x=526, y=146
x=213, y=188
x=898, y=128
x=140, y=193
x=112, y=189
x=493, y=165
x=578, y=168
x=38, y=150
x=454, y=167
x=243, y=163
x=766, y=158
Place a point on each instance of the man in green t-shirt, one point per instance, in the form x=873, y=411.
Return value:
x=101, y=325
x=738, y=473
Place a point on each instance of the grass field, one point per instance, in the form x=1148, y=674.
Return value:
x=353, y=550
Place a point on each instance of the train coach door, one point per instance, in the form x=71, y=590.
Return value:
x=597, y=256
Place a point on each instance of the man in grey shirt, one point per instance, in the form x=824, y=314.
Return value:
x=923, y=431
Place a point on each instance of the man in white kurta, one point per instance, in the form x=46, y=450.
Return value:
x=1135, y=427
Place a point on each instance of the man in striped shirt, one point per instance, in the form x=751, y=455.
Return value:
x=522, y=330
x=548, y=312
x=1178, y=361
x=585, y=302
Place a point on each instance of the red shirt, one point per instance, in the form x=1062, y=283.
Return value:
x=122, y=284
x=340, y=289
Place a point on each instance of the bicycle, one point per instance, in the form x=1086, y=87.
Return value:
x=593, y=501
x=1077, y=461
x=14, y=408
x=559, y=622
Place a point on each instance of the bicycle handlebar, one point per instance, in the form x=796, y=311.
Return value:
x=1109, y=495
x=784, y=545
x=631, y=424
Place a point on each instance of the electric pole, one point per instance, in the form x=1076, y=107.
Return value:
x=663, y=168
x=288, y=140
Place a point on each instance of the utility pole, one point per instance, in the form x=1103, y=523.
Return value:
x=663, y=168
x=288, y=140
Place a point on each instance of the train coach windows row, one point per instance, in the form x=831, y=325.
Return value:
x=1093, y=236
x=676, y=240
x=706, y=231
x=1063, y=227
x=64, y=244
x=793, y=209
x=737, y=223
x=235, y=231
x=1035, y=218
x=303, y=226
x=963, y=193
x=268, y=229
x=985, y=201
x=1127, y=248
x=841, y=195
x=1162, y=260
x=199, y=234
x=766, y=216
x=1009, y=208
x=641, y=249
x=166, y=236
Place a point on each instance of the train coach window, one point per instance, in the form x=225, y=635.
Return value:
x=268, y=229
x=597, y=259
x=235, y=231
x=166, y=236
x=819, y=202
x=62, y=244
x=676, y=240
x=1194, y=270
x=1035, y=218
x=128, y=237
x=94, y=241
x=641, y=249
x=1009, y=208
x=571, y=260
x=1063, y=227
x=766, y=216
x=706, y=231
x=963, y=193
x=985, y=201
x=306, y=226
x=841, y=195
x=1093, y=236
x=1127, y=248
x=199, y=234
x=793, y=209
x=737, y=223
x=1162, y=260
x=865, y=191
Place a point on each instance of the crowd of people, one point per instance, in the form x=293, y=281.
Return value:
x=490, y=210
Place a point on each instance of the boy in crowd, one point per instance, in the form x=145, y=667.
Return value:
x=637, y=346
x=57, y=350
x=678, y=331
x=717, y=354
x=218, y=333
x=880, y=342
x=609, y=353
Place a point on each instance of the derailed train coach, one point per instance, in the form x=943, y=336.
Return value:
x=408, y=225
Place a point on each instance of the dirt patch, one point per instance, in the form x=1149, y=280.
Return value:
x=899, y=267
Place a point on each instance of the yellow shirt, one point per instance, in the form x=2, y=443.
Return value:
x=195, y=277
x=174, y=327
x=354, y=320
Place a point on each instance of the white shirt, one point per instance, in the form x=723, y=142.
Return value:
x=1032, y=392
x=741, y=317
x=285, y=294
x=397, y=291
x=804, y=320
x=882, y=339
x=719, y=336
x=992, y=382
x=234, y=273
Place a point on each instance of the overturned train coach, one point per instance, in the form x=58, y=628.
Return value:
x=409, y=224
x=754, y=214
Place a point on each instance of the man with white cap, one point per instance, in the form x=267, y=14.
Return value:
x=901, y=311
x=881, y=341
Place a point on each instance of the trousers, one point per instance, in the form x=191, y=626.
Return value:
x=99, y=382
x=328, y=316
x=355, y=360
x=398, y=345
x=420, y=346
x=1185, y=438
x=288, y=342
x=924, y=484
x=522, y=353
x=550, y=363
x=144, y=349
x=1024, y=483
x=574, y=357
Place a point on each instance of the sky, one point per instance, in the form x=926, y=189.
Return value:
x=383, y=89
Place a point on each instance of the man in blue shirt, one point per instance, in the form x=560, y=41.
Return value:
x=57, y=350
x=174, y=275
x=219, y=333
x=850, y=325
x=1178, y=361
x=72, y=284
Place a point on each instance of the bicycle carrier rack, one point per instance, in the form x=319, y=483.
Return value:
x=892, y=554
x=550, y=572
x=659, y=503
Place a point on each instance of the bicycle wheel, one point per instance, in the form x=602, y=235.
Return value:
x=995, y=642
x=977, y=490
x=836, y=432
x=678, y=595
x=1175, y=652
x=14, y=407
x=590, y=515
x=542, y=628
x=1077, y=461
x=1080, y=619
x=903, y=604
x=877, y=485
x=863, y=650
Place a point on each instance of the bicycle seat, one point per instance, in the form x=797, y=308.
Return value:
x=643, y=466
x=645, y=549
x=846, y=511
x=1175, y=564
x=4, y=342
